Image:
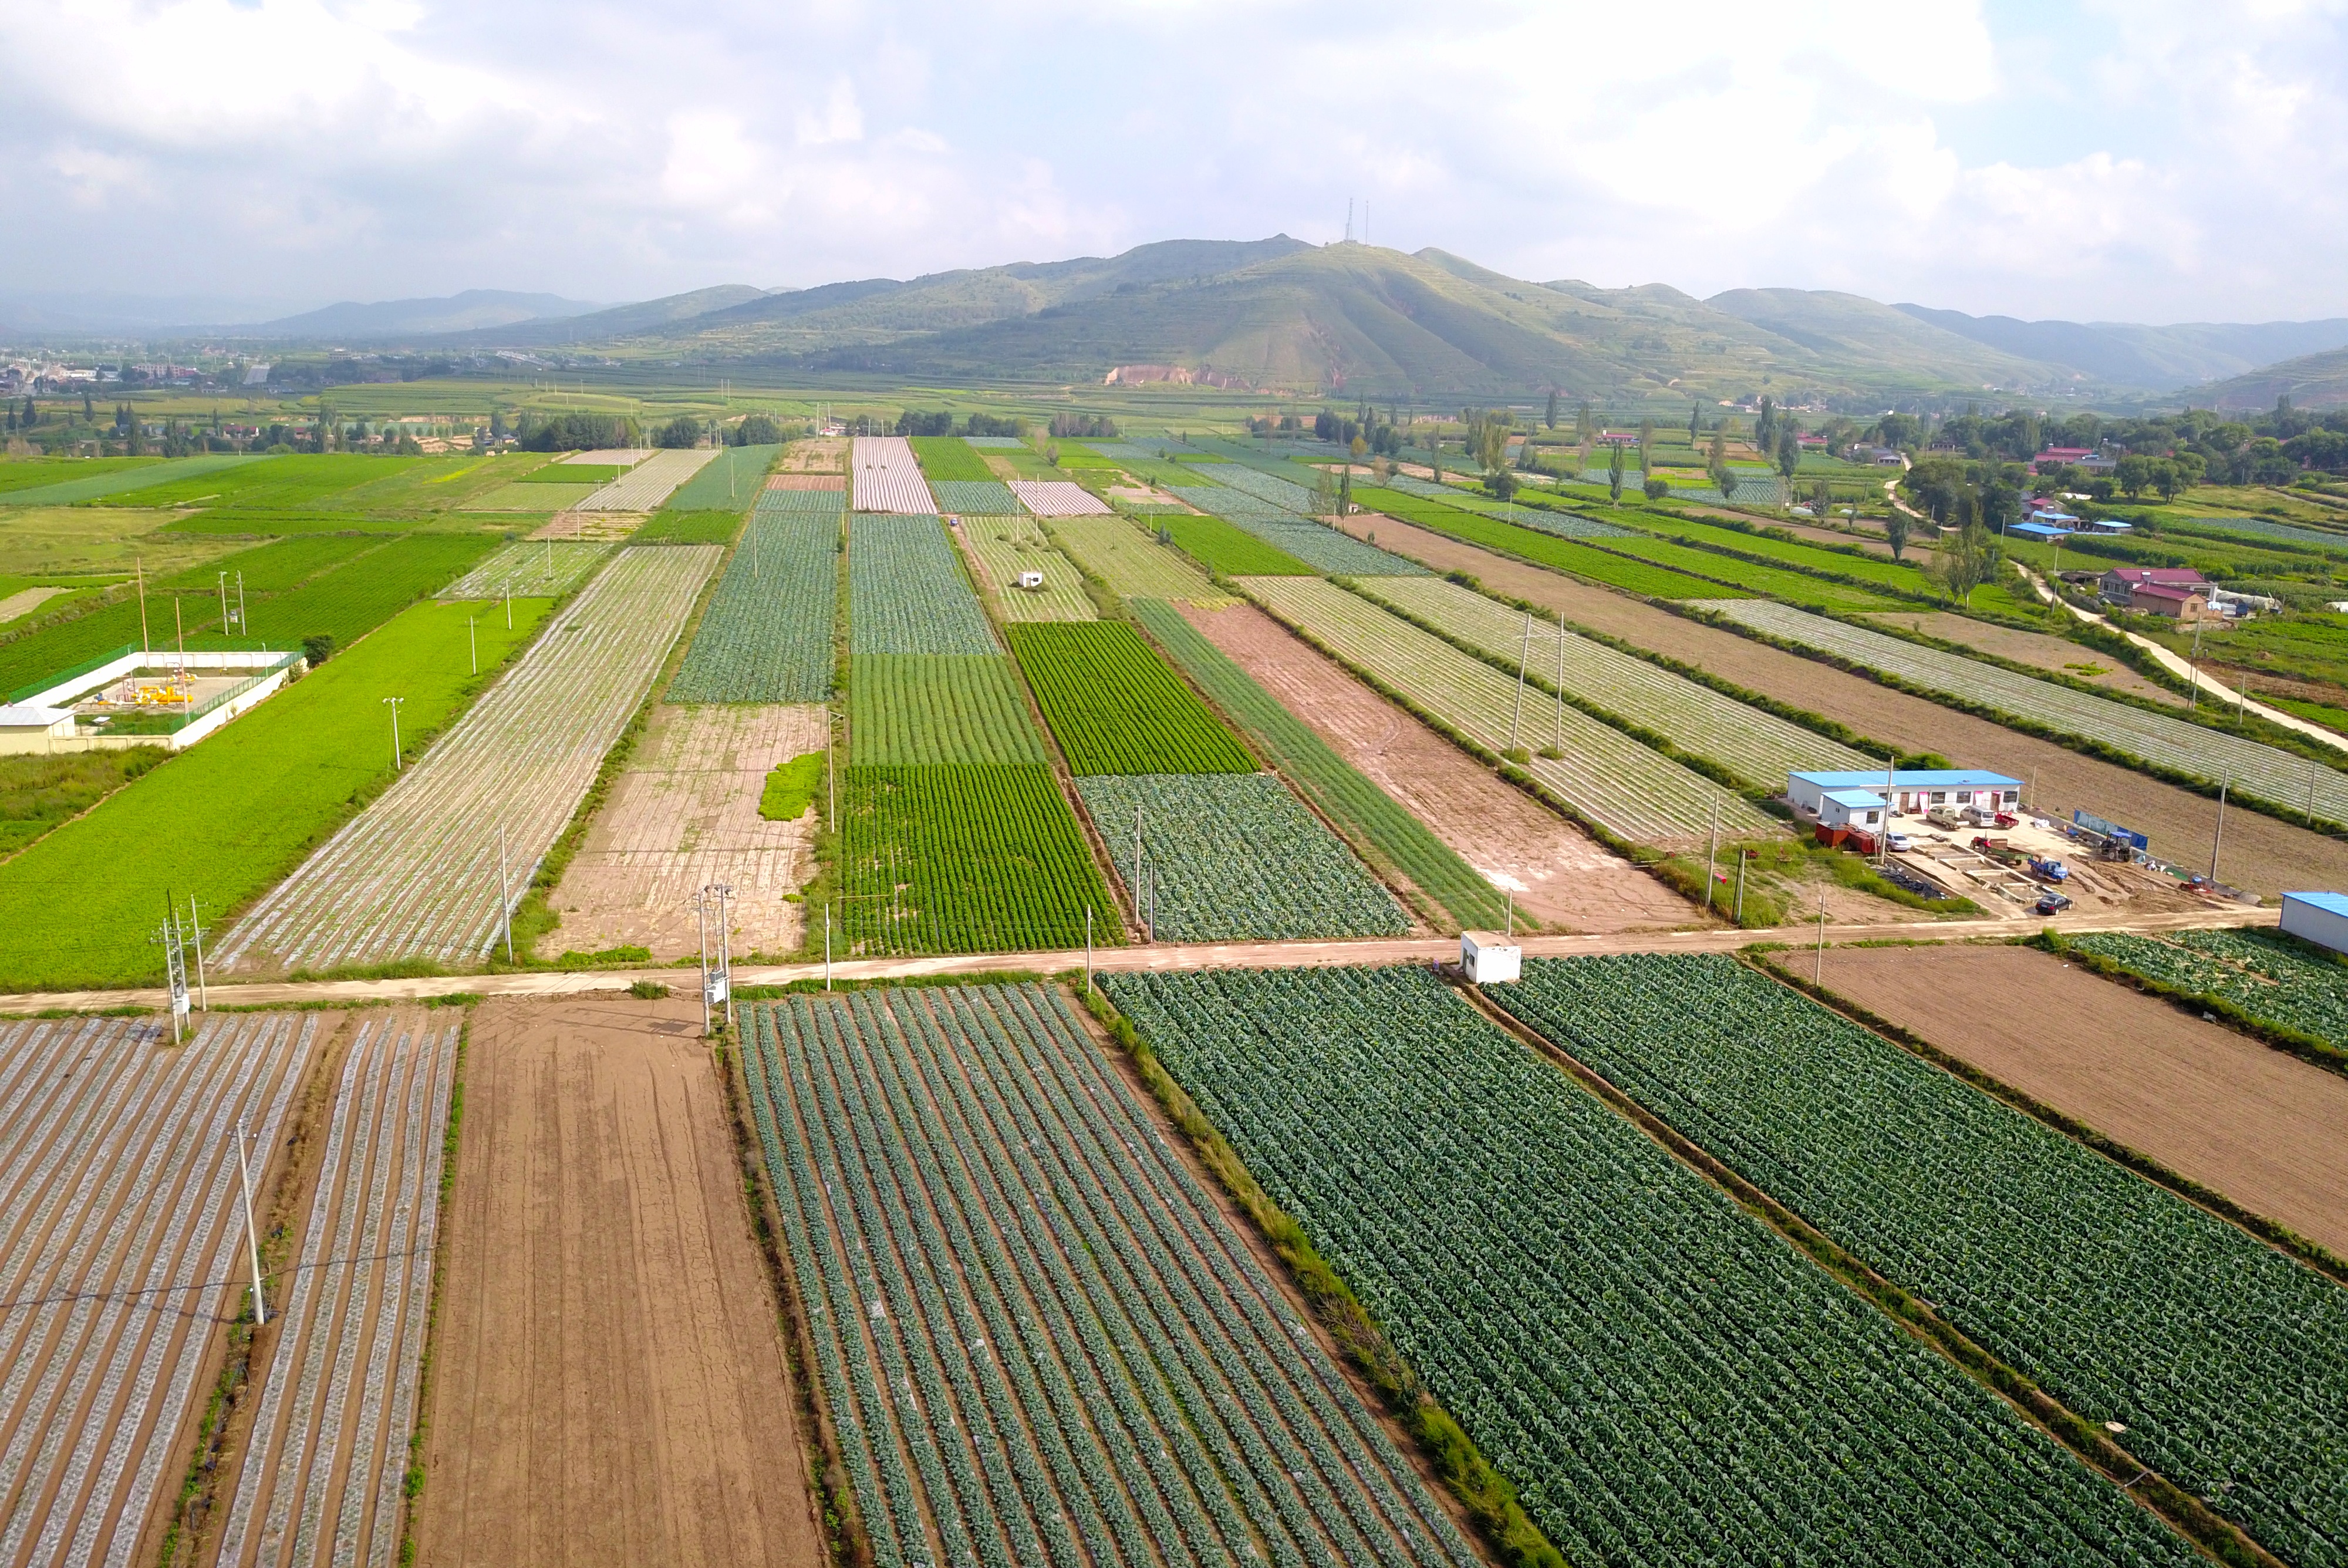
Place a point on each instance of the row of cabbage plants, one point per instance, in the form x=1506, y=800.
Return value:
x=1037, y=1340
x=1664, y=1377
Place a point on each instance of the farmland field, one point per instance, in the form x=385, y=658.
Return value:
x=1132, y=563
x=884, y=477
x=1285, y=494
x=1007, y=546
x=1758, y=747
x=1627, y=788
x=1664, y=1379
x=272, y=484
x=602, y=1292
x=1319, y=546
x=228, y=818
x=1221, y=547
x=684, y=813
x=545, y=570
x=1566, y=555
x=734, y=479
x=109, y=481
x=1057, y=498
x=1232, y=857
x=417, y=874
x=980, y=497
x=649, y=484
x=2227, y=1111
x=320, y=1477
x=350, y=601
x=1438, y=816
x=951, y=460
x=906, y=590
x=1416, y=501
x=907, y=708
x=24, y=474
x=827, y=497
x=2226, y=1362
x=519, y=496
x=123, y=1255
x=2268, y=975
x=963, y=858
x=1039, y=1341
x=1778, y=581
x=767, y=635
x=1116, y=707
x=2292, y=783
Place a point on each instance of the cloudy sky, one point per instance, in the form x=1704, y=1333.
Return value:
x=2131, y=159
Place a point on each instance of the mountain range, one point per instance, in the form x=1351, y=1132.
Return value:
x=1278, y=314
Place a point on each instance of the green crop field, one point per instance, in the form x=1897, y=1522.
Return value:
x=1007, y=546
x=1416, y=501
x=1218, y=546
x=351, y=600
x=37, y=473
x=1021, y=1241
x=234, y=813
x=975, y=497
x=1571, y=555
x=689, y=528
x=89, y=481
x=2226, y=1361
x=948, y=458
x=1757, y=747
x=573, y=474
x=1231, y=857
x=768, y=633
x=1780, y=582
x=529, y=496
x=1132, y=563
x=906, y=708
x=1663, y=1378
x=1362, y=811
x=37, y=792
x=2268, y=975
x=275, y=484
x=732, y=481
x=1116, y=707
x=906, y=590
x=1900, y=579
x=1606, y=777
x=956, y=858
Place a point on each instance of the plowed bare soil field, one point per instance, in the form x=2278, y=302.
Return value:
x=2262, y=852
x=683, y=814
x=1562, y=876
x=608, y=1381
x=2267, y=1130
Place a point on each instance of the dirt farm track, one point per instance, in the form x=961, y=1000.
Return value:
x=2260, y=1127
x=609, y=1383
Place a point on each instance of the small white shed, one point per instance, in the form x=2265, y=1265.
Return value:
x=2318, y=917
x=28, y=728
x=1861, y=808
x=1489, y=958
x=1031, y=580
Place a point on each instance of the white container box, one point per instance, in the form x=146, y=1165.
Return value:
x=1489, y=958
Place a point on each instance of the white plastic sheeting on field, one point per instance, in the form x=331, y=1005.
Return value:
x=885, y=478
x=1057, y=498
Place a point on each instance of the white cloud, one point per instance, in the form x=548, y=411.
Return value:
x=2155, y=159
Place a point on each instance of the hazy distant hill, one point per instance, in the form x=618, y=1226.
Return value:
x=2309, y=381
x=614, y=322
x=1846, y=327
x=1279, y=314
x=400, y=317
x=2161, y=359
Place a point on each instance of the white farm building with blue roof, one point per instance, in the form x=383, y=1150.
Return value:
x=2318, y=917
x=1909, y=790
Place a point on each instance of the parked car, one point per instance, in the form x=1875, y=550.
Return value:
x=1899, y=842
x=2053, y=903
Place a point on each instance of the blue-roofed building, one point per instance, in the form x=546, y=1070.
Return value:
x=1853, y=808
x=2318, y=917
x=2043, y=532
x=1911, y=791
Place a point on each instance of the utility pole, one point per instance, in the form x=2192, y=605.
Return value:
x=196, y=932
x=223, y=600
x=252, y=1237
x=1524, y=654
x=1137, y=870
x=138, y=567
x=1561, y=681
x=472, y=644
x=1088, y=950
x=722, y=983
x=827, y=946
x=2220, y=842
x=1737, y=915
x=244, y=622
x=175, y=968
x=701, y=918
x=1819, y=978
x=393, y=702
x=1712, y=852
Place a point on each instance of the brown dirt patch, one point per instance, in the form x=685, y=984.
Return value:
x=817, y=454
x=2262, y=852
x=686, y=814
x=608, y=1380
x=2036, y=649
x=1562, y=877
x=2265, y=1128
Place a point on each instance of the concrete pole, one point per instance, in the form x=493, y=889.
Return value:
x=701, y=918
x=1819, y=978
x=505, y=894
x=1712, y=851
x=195, y=930
x=252, y=1237
x=2220, y=842
x=1524, y=653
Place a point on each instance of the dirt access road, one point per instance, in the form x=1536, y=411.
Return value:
x=608, y=1383
x=2265, y=1128
x=2262, y=852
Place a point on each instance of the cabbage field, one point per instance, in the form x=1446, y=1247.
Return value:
x=1232, y=857
x=1664, y=1378
x=906, y=590
x=2226, y=1361
x=1038, y=1340
x=766, y=634
x=2268, y=976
